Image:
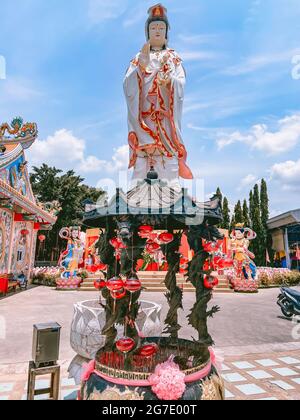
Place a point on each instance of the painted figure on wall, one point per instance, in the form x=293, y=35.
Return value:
x=154, y=90
x=245, y=271
x=72, y=258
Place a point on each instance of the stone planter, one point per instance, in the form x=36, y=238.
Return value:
x=89, y=320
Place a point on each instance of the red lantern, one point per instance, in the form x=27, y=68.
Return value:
x=24, y=232
x=146, y=229
x=133, y=285
x=166, y=238
x=118, y=294
x=115, y=284
x=42, y=238
x=125, y=345
x=210, y=282
x=102, y=267
x=148, y=350
x=100, y=284
x=152, y=247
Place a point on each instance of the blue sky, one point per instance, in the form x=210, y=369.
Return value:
x=66, y=62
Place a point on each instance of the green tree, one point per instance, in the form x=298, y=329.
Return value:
x=49, y=184
x=265, y=214
x=257, y=245
x=220, y=195
x=251, y=208
x=238, y=213
x=246, y=218
x=226, y=214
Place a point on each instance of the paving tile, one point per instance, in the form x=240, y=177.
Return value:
x=285, y=372
x=6, y=387
x=260, y=374
x=67, y=382
x=267, y=362
x=283, y=385
x=234, y=377
x=296, y=380
x=251, y=389
x=289, y=360
x=228, y=394
x=225, y=368
x=70, y=394
x=243, y=365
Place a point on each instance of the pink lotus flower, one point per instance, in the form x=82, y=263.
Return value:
x=168, y=381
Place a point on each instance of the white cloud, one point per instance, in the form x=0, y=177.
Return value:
x=257, y=62
x=16, y=89
x=287, y=174
x=65, y=151
x=247, y=181
x=101, y=10
x=197, y=55
x=261, y=138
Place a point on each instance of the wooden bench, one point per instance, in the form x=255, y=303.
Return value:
x=8, y=284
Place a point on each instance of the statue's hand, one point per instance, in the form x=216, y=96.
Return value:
x=144, y=58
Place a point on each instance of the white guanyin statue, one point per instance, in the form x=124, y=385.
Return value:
x=154, y=90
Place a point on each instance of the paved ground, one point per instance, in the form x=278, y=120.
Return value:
x=248, y=328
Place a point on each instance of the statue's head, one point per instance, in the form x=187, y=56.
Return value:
x=75, y=232
x=157, y=26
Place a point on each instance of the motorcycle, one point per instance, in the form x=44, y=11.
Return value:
x=289, y=302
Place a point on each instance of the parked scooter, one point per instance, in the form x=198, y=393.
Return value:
x=289, y=302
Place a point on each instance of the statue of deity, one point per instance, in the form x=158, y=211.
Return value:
x=245, y=271
x=154, y=90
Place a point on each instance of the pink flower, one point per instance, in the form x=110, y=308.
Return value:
x=168, y=381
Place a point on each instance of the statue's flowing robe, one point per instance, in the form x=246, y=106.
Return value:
x=154, y=116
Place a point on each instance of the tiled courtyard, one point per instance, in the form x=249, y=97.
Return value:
x=262, y=355
x=254, y=377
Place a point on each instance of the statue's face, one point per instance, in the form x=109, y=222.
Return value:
x=75, y=234
x=239, y=234
x=157, y=34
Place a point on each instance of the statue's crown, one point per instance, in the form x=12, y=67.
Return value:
x=157, y=11
x=240, y=225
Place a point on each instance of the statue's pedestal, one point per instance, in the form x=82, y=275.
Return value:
x=68, y=284
x=245, y=286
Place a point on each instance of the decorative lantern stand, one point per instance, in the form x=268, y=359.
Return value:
x=137, y=367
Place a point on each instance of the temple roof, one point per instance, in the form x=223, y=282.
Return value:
x=157, y=200
x=286, y=219
x=15, y=188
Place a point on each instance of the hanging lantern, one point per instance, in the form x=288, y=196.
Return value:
x=100, y=284
x=146, y=229
x=102, y=267
x=210, y=282
x=133, y=285
x=152, y=247
x=42, y=238
x=118, y=294
x=115, y=284
x=24, y=232
x=148, y=350
x=166, y=238
x=125, y=345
